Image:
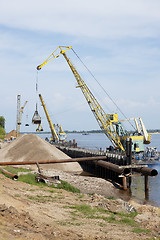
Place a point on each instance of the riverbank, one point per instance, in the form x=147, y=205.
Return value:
x=99, y=211
x=33, y=212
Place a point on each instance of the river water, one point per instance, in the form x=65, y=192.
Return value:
x=137, y=193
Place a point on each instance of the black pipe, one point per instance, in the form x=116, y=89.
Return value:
x=146, y=171
x=113, y=167
x=12, y=175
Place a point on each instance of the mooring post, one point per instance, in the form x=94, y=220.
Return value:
x=129, y=151
x=146, y=185
x=124, y=183
x=146, y=182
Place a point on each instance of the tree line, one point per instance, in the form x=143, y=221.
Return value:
x=2, y=127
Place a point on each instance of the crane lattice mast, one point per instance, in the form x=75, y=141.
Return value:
x=19, y=113
x=103, y=120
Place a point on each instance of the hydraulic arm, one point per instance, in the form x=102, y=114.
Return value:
x=103, y=120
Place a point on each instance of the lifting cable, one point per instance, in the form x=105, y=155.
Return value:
x=102, y=88
x=37, y=90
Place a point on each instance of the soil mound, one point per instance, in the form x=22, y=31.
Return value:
x=11, y=135
x=29, y=147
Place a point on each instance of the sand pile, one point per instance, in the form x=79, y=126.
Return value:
x=11, y=135
x=29, y=147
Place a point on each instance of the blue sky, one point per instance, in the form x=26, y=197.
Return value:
x=117, y=40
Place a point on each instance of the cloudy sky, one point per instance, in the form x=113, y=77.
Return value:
x=117, y=40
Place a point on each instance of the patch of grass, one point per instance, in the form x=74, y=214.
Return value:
x=85, y=209
x=100, y=213
x=13, y=170
x=17, y=195
x=128, y=215
x=42, y=199
x=30, y=179
x=128, y=221
x=31, y=190
x=66, y=186
x=16, y=170
x=71, y=223
x=140, y=230
x=102, y=224
x=51, y=191
x=75, y=214
x=110, y=219
x=81, y=196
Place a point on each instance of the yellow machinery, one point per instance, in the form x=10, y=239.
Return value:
x=19, y=113
x=139, y=137
x=108, y=122
x=58, y=135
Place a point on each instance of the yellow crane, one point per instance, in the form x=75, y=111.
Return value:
x=103, y=120
x=108, y=122
x=58, y=135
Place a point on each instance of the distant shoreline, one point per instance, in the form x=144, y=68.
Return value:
x=79, y=132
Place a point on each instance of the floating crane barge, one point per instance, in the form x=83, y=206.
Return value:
x=113, y=162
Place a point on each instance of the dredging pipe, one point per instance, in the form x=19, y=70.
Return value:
x=54, y=161
x=97, y=160
x=146, y=171
x=13, y=176
x=113, y=167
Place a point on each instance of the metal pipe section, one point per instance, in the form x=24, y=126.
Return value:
x=54, y=161
x=129, y=150
x=113, y=167
x=13, y=176
x=146, y=171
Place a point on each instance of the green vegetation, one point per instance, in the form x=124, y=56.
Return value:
x=42, y=198
x=2, y=127
x=140, y=230
x=16, y=170
x=30, y=179
x=81, y=196
x=100, y=213
x=2, y=133
x=2, y=122
x=66, y=186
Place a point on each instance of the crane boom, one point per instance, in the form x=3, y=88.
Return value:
x=101, y=117
x=53, y=131
x=103, y=120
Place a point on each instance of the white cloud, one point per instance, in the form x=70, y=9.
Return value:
x=117, y=40
x=99, y=19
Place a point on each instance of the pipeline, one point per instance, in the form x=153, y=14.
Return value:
x=54, y=161
x=113, y=167
x=146, y=171
x=97, y=161
x=13, y=176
